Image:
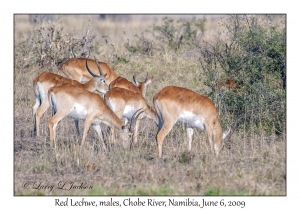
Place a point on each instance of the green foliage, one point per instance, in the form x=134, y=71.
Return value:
x=254, y=56
x=184, y=32
x=171, y=35
x=143, y=45
x=168, y=33
x=48, y=45
x=120, y=59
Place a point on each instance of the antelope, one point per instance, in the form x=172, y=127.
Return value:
x=117, y=99
x=46, y=80
x=229, y=84
x=175, y=104
x=75, y=102
x=137, y=87
x=124, y=103
x=75, y=68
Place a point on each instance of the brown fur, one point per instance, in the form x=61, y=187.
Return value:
x=120, y=98
x=122, y=82
x=171, y=101
x=122, y=93
x=64, y=97
x=229, y=84
x=48, y=80
x=75, y=68
x=139, y=87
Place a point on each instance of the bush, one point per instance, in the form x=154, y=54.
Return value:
x=255, y=57
x=48, y=45
x=170, y=36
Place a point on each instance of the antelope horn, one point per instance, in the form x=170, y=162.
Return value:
x=87, y=67
x=228, y=135
x=134, y=78
x=134, y=119
x=100, y=70
x=147, y=76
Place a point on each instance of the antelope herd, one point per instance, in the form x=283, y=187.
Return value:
x=123, y=105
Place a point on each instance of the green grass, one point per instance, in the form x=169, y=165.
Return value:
x=146, y=191
x=98, y=191
x=218, y=191
x=222, y=192
x=31, y=193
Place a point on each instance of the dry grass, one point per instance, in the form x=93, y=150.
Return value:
x=255, y=165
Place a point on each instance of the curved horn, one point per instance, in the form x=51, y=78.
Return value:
x=100, y=70
x=87, y=67
x=134, y=79
x=228, y=134
x=147, y=76
x=134, y=119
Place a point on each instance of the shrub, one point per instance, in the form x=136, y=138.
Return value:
x=171, y=36
x=48, y=45
x=254, y=55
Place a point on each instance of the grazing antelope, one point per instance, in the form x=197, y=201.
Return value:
x=137, y=87
x=175, y=104
x=75, y=68
x=124, y=103
x=75, y=102
x=46, y=80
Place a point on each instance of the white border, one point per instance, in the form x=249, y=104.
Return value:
x=153, y=6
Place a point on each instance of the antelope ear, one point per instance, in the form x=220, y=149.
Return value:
x=149, y=80
x=126, y=127
x=101, y=76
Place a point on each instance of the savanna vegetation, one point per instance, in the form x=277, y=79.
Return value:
x=201, y=53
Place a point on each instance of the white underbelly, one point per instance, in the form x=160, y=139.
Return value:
x=128, y=112
x=78, y=112
x=191, y=120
